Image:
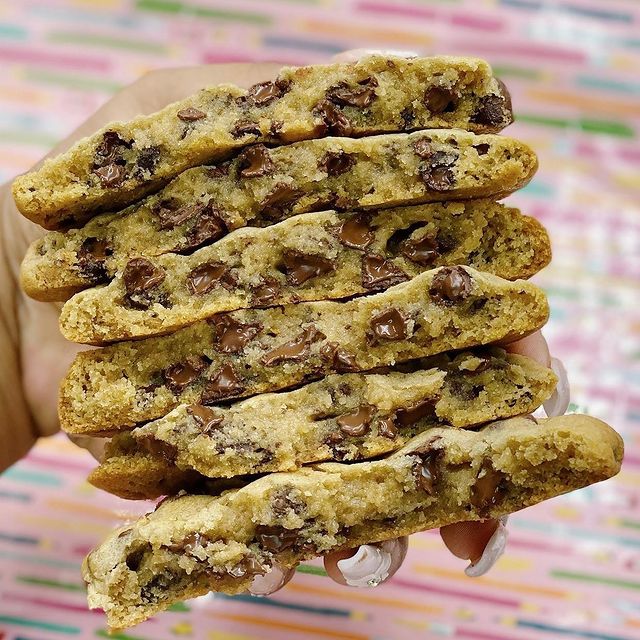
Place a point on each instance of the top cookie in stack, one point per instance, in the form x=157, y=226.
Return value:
x=335, y=230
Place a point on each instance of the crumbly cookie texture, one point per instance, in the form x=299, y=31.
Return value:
x=316, y=256
x=246, y=352
x=196, y=543
x=124, y=161
x=342, y=417
x=261, y=186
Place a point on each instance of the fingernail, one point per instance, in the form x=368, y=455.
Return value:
x=494, y=549
x=558, y=403
x=367, y=568
x=264, y=585
x=352, y=55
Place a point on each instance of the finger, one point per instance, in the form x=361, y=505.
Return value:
x=95, y=446
x=271, y=582
x=353, y=55
x=367, y=566
x=482, y=543
x=533, y=346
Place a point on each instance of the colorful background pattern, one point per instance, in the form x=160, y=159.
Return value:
x=573, y=564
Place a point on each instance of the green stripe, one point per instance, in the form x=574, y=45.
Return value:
x=102, y=633
x=586, y=577
x=12, y=31
x=43, y=582
x=630, y=524
x=586, y=124
x=515, y=72
x=171, y=6
x=36, y=624
x=15, y=473
x=314, y=571
x=537, y=188
x=179, y=607
x=31, y=559
x=71, y=80
x=92, y=40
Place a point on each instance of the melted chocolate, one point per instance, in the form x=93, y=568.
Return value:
x=191, y=114
x=224, y=383
x=482, y=148
x=206, y=419
x=493, y=110
x=440, y=99
x=357, y=422
x=335, y=163
x=359, y=97
x=206, y=277
x=339, y=359
x=279, y=199
x=296, y=349
x=255, y=162
x=92, y=255
x=264, y=294
x=148, y=159
x=111, y=175
x=276, y=539
x=265, y=93
x=140, y=277
x=378, y=273
x=158, y=448
x=437, y=172
x=409, y=416
x=335, y=122
x=387, y=429
x=489, y=488
x=355, y=232
x=207, y=228
x=170, y=218
x=233, y=336
x=389, y=325
x=427, y=468
x=245, y=128
x=300, y=267
x=423, y=251
x=179, y=376
x=451, y=285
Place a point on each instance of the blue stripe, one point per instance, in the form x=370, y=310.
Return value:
x=8, y=537
x=13, y=31
x=602, y=14
x=301, y=43
x=608, y=85
x=32, y=477
x=39, y=560
x=566, y=631
x=270, y=602
x=14, y=495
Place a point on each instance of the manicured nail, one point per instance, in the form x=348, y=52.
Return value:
x=558, y=403
x=494, y=549
x=352, y=55
x=271, y=582
x=368, y=567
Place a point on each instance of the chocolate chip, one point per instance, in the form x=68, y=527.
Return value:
x=355, y=232
x=265, y=93
x=300, y=267
x=207, y=228
x=283, y=503
x=134, y=558
x=279, y=198
x=389, y=325
x=357, y=422
x=423, y=147
x=482, y=148
x=191, y=114
x=245, y=128
x=494, y=110
x=233, y=336
x=360, y=97
x=436, y=172
x=109, y=151
x=265, y=293
x=378, y=273
x=170, y=217
x=206, y=419
x=427, y=468
x=335, y=122
x=158, y=448
x=179, y=376
x=295, y=349
x=451, y=284
x=249, y=566
x=489, y=488
x=148, y=159
x=408, y=116
x=189, y=544
x=423, y=251
x=276, y=539
x=338, y=359
x=440, y=99
x=92, y=254
x=224, y=383
x=255, y=162
x=335, y=163
x=141, y=276
x=219, y=171
x=409, y=416
x=206, y=277
x=111, y=175
x=387, y=429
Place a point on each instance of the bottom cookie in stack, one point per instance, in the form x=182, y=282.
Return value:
x=194, y=544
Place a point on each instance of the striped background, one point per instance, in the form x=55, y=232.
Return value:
x=573, y=565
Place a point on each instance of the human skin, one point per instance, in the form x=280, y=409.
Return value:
x=35, y=356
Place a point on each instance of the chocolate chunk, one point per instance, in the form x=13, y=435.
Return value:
x=489, y=488
x=296, y=349
x=440, y=99
x=389, y=325
x=206, y=419
x=249, y=566
x=387, y=429
x=357, y=422
x=265, y=93
x=179, y=376
x=189, y=544
x=336, y=163
x=109, y=151
x=378, y=273
x=427, y=468
x=360, y=97
x=191, y=114
x=423, y=251
x=451, y=284
x=207, y=228
x=482, y=148
x=283, y=503
x=111, y=175
x=300, y=267
x=279, y=198
x=339, y=359
x=219, y=170
x=148, y=159
x=92, y=254
x=423, y=148
x=224, y=383
x=409, y=416
x=494, y=110
x=355, y=232
x=335, y=122
x=206, y=277
x=255, y=161
x=170, y=217
x=408, y=116
x=158, y=448
x=436, y=172
x=141, y=276
x=265, y=293
x=232, y=336
x=245, y=128
x=276, y=539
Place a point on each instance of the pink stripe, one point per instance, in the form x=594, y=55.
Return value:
x=539, y=546
x=479, y=635
x=41, y=602
x=60, y=463
x=631, y=155
x=476, y=22
x=511, y=48
x=399, y=10
x=50, y=59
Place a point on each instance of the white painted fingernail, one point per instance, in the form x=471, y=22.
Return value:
x=367, y=568
x=494, y=549
x=558, y=403
x=264, y=585
x=352, y=55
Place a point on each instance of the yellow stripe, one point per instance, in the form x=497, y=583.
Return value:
x=583, y=102
x=79, y=507
x=223, y=635
x=66, y=525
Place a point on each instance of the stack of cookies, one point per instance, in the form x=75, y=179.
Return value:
x=301, y=287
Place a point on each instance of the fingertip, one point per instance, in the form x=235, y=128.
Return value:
x=467, y=540
x=533, y=346
x=274, y=580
